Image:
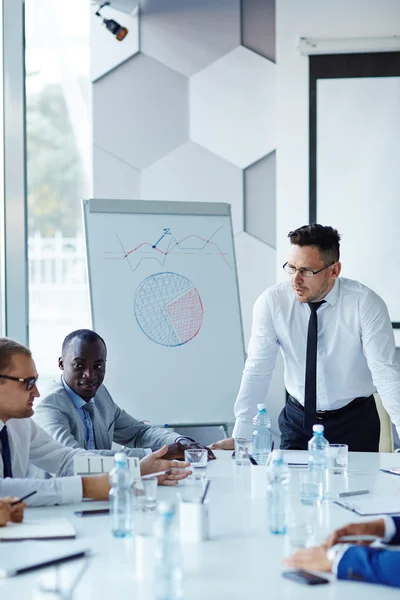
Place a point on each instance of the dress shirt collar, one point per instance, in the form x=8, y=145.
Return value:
x=76, y=400
x=332, y=297
x=1, y=425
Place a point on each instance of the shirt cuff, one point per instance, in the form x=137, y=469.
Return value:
x=71, y=489
x=335, y=555
x=181, y=438
x=147, y=451
x=242, y=429
x=390, y=529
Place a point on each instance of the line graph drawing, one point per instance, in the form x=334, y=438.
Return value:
x=168, y=309
x=167, y=245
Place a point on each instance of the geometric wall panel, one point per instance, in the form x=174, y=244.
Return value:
x=258, y=26
x=114, y=178
x=259, y=199
x=232, y=107
x=140, y=111
x=256, y=264
x=192, y=173
x=106, y=52
x=187, y=36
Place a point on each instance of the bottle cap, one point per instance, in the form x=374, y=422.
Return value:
x=166, y=509
x=261, y=407
x=318, y=428
x=277, y=455
x=120, y=458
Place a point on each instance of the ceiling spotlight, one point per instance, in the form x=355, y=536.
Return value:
x=115, y=28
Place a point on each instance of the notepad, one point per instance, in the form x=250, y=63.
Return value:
x=296, y=458
x=52, y=529
x=27, y=556
x=371, y=505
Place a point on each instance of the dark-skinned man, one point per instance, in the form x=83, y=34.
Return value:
x=23, y=443
x=80, y=413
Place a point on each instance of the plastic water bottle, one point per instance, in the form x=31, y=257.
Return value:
x=121, y=497
x=168, y=558
x=278, y=493
x=318, y=460
x=261, y=435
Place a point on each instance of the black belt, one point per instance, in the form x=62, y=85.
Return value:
x=329, y=414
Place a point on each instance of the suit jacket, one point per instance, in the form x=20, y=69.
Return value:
x=375, y=565
x=57, y=415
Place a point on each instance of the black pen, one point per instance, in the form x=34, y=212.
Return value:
x=23, y=498
x=205, y=492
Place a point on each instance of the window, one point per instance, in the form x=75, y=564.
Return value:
x=58, y=173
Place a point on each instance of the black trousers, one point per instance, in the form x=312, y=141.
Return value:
x=357, y=425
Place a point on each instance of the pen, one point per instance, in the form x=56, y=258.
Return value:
x=358, y=538
x=355, y=493
x=205, y=492
x=167, y=472
x=22, y=499
x=391, y=471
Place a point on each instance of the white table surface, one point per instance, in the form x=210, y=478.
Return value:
x=241, y=560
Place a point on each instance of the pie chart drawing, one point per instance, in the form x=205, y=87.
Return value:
x=168, y=309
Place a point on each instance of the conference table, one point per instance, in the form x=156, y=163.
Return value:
x=242, y=559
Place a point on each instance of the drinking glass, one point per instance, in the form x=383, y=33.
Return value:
x=243, y=450
x=198, y=462
x=338, y=457
x=191, y=490
x=308, y=488
x=145, y=502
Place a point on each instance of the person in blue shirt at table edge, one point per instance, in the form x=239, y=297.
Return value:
x=356, y=562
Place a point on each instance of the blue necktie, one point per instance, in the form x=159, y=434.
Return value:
x=5, y=450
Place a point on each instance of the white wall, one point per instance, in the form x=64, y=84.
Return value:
x=310, y=18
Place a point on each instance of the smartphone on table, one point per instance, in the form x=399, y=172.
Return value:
x=304, y=577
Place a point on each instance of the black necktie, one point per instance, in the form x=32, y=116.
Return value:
x=5, y=451
x=310, y=391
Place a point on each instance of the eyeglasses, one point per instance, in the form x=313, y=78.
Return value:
x=304, y=272
x=28, y=381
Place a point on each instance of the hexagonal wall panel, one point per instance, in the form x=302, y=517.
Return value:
x=256, y=265
x=259, y=199
x=113, y=177
x=232, y=107
x=188, y=36
x=191, y=173
x=106, y=52
x=141, y=111
x=258, y=26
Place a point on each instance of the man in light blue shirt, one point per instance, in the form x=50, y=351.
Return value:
x=80, y=405
x=80, y=413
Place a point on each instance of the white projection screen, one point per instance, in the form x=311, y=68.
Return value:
x=357, y=176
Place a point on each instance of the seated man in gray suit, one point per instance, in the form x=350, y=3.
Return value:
x=80, y=413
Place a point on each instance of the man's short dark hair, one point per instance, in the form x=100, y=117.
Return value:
x=85, y=335
x=325, y=238
x=8, y=349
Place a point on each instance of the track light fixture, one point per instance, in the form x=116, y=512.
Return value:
x=115, y=28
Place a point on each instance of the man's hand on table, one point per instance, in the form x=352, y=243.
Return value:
x=316, y=559
x=312, y=559
x=176, y=451
x=156, y=461
x=226, y=444
x=11, y=513
x=371, y=528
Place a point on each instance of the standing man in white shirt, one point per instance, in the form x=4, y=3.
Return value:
x=23, y=442
x=338, y=348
